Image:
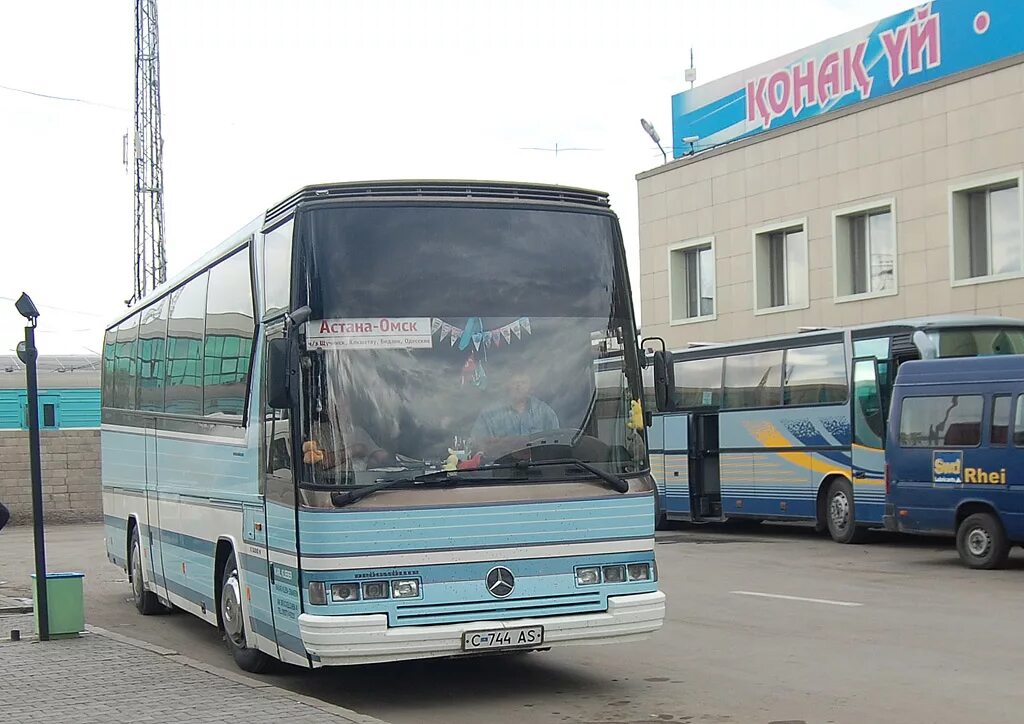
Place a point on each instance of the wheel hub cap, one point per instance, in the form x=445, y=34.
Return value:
x=231, y=610
x=839, y=511
x=137, y=588
x=978, y=542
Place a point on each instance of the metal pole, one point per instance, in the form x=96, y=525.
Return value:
x=37, y=479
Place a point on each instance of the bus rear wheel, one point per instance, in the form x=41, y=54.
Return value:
x=145, y=601
x=841, y=513
x=981, y=542
x=251, y=660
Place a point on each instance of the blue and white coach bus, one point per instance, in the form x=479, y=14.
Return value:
x=370, y=427
x=793, y=428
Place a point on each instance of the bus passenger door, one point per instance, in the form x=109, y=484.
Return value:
x=656, y=454
x=705, y=473
x=868, y=449
x=151, y=538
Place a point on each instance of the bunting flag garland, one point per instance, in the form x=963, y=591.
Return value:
x=475, y=334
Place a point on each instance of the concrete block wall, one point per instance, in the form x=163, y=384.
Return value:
x=71, y=475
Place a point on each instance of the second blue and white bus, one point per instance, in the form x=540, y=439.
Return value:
x=793, y=428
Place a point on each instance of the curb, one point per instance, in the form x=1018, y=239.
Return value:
x=352, y=716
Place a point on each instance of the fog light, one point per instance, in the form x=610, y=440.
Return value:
x=639, y=571
x=317, y=593
x=588, y=576
x=614, y=574
x=345, y=591
x=408, y=588
x=375, y=590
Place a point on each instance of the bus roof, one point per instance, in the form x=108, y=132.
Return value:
x=961, y=370
x=414, y=189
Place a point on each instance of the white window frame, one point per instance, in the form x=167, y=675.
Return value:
x=703, y=241
x=778, y=226
x=854, y=210
x=979, y=183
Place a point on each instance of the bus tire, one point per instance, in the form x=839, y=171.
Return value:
x=146, y=602
x=230, y=609
x=841, y=513
x=981, y=542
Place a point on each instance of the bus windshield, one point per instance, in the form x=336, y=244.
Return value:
x=462, y=336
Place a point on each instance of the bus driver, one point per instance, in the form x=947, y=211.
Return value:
x=505, y=427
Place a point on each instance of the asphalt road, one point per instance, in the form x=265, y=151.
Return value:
x=894, y=631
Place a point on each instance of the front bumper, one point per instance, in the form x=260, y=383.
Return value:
x=367, y=639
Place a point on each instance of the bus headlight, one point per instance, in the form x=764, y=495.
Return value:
x=375, y=590
x=317, y=593
x=407, y=588
x=639, y=571
x=588, y=576
x=614, y=574
x=345, y=591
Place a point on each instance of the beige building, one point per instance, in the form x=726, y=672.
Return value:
x=906, y=205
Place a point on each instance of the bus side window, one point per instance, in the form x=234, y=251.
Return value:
x=1000, y=419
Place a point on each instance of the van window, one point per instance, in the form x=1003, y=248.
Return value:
x=1018, y=423
x=1000, y=419
x=941, y=421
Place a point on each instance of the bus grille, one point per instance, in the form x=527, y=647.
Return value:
x=488, y=610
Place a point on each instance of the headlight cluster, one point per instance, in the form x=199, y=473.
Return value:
x=365, y=591
x=621, y=573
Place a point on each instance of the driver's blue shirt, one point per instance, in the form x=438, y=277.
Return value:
x=507, y=421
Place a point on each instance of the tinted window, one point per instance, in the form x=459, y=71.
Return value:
x=815, y=375
x=1000, y=419
x=185, y=330
x=124, y=364
x=49, y=415
x=1018, y=423
x=753, y=380
x=229, y=330
x=277, y=267
x=699, y=382
x=152, y=342
x=942, y=421
x=109, y=343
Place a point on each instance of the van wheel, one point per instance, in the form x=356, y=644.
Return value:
x=251, y=660
x=145, y=601
x=981, y=542
x=841, y=514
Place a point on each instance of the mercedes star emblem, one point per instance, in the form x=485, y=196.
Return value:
x=500, y=582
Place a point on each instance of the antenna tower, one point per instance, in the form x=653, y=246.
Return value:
x=150, y=261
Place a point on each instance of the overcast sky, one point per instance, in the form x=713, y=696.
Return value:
x=263, y=96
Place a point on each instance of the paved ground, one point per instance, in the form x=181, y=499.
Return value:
x=930, y=641
x=101, y=678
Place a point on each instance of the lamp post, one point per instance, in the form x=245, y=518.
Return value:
x=27, y=354
x=649, y=127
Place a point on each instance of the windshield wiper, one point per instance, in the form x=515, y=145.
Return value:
x=614, y=481
x=441, y=477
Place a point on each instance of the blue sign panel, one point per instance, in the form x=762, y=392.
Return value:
x=932, y=40
x=948, y=466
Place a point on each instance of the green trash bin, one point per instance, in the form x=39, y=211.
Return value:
x=65, y=604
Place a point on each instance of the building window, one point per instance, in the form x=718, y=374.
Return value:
x=692, y=280
x=987, y=229
x=780, y=266
x=865, y=251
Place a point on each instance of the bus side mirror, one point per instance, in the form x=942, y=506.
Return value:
x=280, y=373
x=664, y=382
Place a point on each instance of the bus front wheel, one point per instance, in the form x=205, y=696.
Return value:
x=251, y=660
x=841, y=513
x=981, y=542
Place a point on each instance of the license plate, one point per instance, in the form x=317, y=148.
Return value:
x=503, y=638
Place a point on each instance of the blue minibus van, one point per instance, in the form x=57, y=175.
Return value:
x=955, y=454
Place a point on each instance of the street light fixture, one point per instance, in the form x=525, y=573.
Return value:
x=27, y=353
x=649, y=127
